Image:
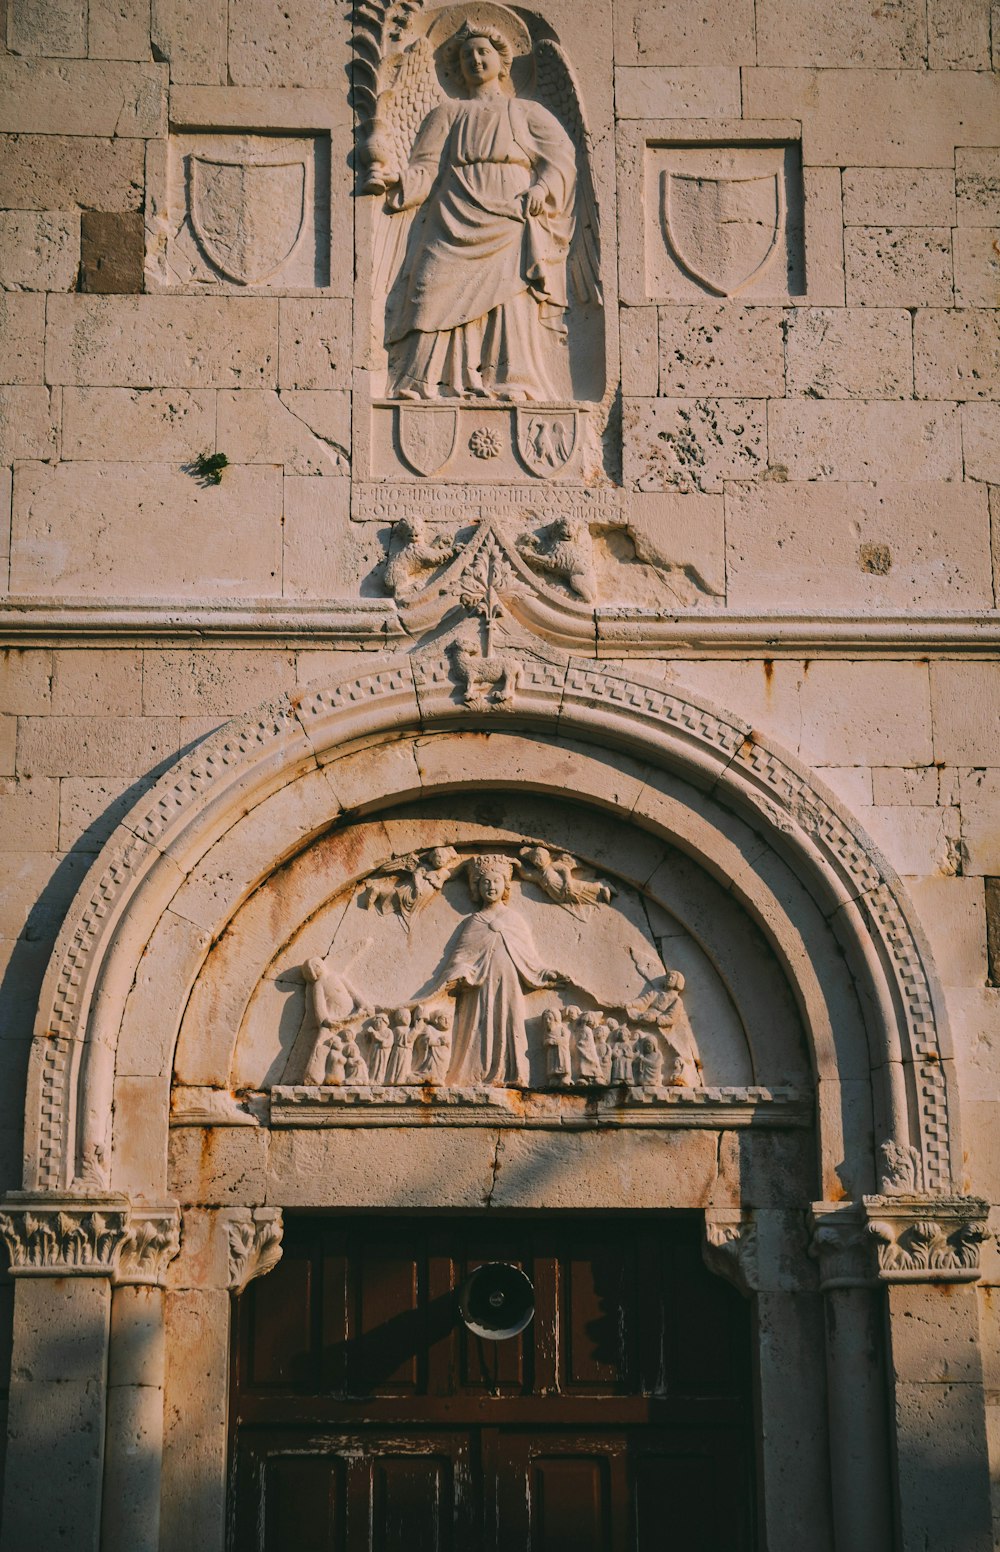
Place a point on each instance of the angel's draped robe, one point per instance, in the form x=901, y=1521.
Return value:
x=495, y=954
x=480, y=303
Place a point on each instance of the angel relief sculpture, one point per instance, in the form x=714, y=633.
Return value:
x=489, y=217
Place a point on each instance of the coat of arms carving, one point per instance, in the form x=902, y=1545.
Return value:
x=723, y=231
x=248, y=216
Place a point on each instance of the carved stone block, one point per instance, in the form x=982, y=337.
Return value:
x=246, y=212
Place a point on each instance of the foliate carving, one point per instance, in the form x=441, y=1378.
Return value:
x=922, y=1238
x=902, y=1169
x=841, y=1245
x=476, y=303
x=151, y=1243
x=485, y=442
x=63, y=1237
x=729, y=1247
x=254, y=1246
x=470, y=1025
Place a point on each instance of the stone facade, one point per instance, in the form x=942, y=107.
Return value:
x=350, y=528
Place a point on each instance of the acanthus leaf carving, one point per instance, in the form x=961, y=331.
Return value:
x=729, y=1247
x=254, y=1246
x=924, y=1238
x=903, y=1168
x=841, y=1245
x=62, y=1236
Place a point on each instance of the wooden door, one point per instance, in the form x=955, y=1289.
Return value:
x=365, y=1418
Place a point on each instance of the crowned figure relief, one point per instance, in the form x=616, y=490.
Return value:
x=487, y=221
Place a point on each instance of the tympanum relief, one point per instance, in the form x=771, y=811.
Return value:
x=499, y=1005
x=487, y=323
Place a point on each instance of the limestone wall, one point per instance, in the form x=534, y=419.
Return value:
x=804, y=528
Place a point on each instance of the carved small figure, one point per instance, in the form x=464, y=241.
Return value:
x=411, y=554
x=556, y=1042
x=659, y=1002
x=603, y=1032
x=587, y=1053
x=400, y=1062
x=380, y=1033
x=490, y=679
x=334, y=1000
x=556, y=874
x=650, y=1062
x=408, y=884
x=336, y=1064
x=433, y=1067
x=684, y=1071
x=567, y=553
x=902, y=1168
x=355, y=1066
x=623, y=1053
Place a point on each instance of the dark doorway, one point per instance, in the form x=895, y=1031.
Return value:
x=366, y=1418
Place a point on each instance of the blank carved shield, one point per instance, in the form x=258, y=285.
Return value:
x=248, y=217
x=723, y=231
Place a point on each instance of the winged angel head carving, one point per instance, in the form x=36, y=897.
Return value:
x=487, y=237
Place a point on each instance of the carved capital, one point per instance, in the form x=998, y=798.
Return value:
x=151, y=1243
x=729, y=1248
x=921, y=1238
x=48, y=1236
x=254, y=1246
x=97, y=1236
x=841, y=1246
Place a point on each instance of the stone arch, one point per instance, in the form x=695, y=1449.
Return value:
x=262, y=789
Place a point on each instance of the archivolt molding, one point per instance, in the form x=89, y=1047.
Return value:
x=162, y=840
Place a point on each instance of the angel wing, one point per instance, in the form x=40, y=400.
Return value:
x=410, y=91
x=557, y=89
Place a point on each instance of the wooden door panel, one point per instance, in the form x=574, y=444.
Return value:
x=562, y=1492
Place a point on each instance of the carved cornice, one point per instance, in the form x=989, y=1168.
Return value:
x=729, y=1248
x=254, y=1246
x=102, y=1236
x=926, y=1238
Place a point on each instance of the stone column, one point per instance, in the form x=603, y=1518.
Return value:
x=763, y=1254
x=855, y=1380
x=223, y=1250
x=134, y=1437
x=927, y=1256
x=63, y=1254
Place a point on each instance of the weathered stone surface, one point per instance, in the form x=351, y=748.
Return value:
x=906, y=266
x=809, y=32
x=693, y=444
x=727, y=350
x=174, y=536
x=977, y=184
x=47, y=27
x=849, y=353
x=694, y=32
x=83, y=97
x=324, y=555
x=194, y=1418
x=108, y=424
x=29, y=423
x=878, y=118
x=93, y=682
x=188, y=681
x=299, y=44
x=315, y=344
x=39, y=250
x=854, y=441
x=867, y=713
x=163, y=342
x=22, y=327
x=992, y=886
x=858, y=546
x=112, y=252
x=899, y=196
x=981, y=441
x=958, y=34
x=191, y=36
x=306, y=431
x=956, y=354
x=56, y=172
x=650, y=92
x=118, y=29
x=977, y=266
x=966, y=712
